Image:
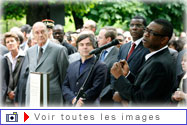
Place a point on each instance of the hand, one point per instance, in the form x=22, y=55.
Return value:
x=79, y=102
x=116, y=97
x=124, y=103
x=73, y=101
x=11, y=95
x=116, y=70
x=125, y=67
x=178, y=96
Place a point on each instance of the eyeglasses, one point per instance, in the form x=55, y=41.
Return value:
x=151, y=32
x=136, y=25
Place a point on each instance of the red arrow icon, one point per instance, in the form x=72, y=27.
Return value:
x=25, y=116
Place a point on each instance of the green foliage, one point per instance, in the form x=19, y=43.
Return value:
x=115, y=12
x=14, y=10
x=120, y=12
x=170, y=11
x=108, y=13
x=81, y=8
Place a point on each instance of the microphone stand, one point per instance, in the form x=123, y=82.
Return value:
x=82, y=89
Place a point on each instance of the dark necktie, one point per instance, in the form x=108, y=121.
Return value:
x=131, y=50
x=40, y=54
x=103, y=55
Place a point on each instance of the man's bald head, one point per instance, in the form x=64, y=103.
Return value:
x=58, y=27
x=90, y=25
x=40, y=33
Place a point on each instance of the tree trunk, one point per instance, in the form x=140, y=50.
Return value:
x=36, y=13
x=78, y=20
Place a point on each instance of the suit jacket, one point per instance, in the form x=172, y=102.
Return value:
x=71, y=49
x=137, y=58
x=173, y=53
x=22, y=81
x=107, y=92
x=3, y=50
x=153, y=83
x=53, y=61
x=4, y=78
x=14, y=75
x=74, y=81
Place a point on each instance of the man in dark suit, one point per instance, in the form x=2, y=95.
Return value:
x=155, y=79
x=108, y=56
x=78, y=72
x=135, y=58
x=47, y=57
x=58, y=33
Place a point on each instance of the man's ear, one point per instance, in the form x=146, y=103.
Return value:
x=93, y=29
x=165, y=40
x=18, y=42
x=108, y=39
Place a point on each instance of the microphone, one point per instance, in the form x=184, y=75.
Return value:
x=98, y=50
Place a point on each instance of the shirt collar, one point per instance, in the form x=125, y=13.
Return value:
x=109, y=49
x=153, y=53
x=44, y=46
x=87, y=60
x=20, y=53
x=137, y=42
x=13, y=61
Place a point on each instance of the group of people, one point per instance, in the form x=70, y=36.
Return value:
x=142, y=71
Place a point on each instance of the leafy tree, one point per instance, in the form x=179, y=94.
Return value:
x=171, y=11
x=108, y=13
x=14, y=10
x=78, y=10
x=118, y=12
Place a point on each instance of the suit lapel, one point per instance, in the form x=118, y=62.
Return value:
x=125, y=52
x=35, y=56
x=109, y=55
x=19, y=60
x=152, y=57
x=77, y=67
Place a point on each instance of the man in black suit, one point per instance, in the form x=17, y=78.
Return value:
x=58, y=34
x=155, y=79
x=136, y=58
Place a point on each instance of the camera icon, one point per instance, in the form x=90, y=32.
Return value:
x=12, y=117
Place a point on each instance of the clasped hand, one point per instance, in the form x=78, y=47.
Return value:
x=120, y=68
